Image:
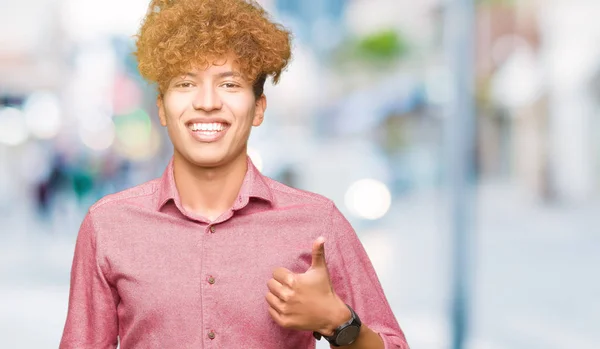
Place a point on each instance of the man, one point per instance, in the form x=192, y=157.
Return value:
x=213, y=254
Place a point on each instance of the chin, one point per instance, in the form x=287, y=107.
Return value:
x=208, y=161
x=209, y=157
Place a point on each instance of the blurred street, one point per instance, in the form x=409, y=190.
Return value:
x=535, y=273
x=375, y=112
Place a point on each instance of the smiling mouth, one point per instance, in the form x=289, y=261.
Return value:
x=209, y=128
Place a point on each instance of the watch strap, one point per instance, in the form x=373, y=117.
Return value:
x=354, y=321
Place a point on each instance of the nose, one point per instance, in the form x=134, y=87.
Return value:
x=207, y=99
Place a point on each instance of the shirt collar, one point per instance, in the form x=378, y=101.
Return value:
x=253, y=186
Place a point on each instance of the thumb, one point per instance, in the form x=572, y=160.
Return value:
x=318, y=253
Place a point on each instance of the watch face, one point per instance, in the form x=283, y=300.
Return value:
x=348, y=335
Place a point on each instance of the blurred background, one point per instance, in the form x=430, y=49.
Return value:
x=365, y=115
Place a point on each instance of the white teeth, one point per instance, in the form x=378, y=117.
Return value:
x=215, y=126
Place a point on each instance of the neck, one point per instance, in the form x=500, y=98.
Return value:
x=209, y=192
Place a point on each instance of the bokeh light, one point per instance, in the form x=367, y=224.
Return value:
x=136, y=138
x=127, y=95
x=85, y=19
x=100, y=138
x=43, y=115
x=256, y=158
x=368, y=199
x=13, y=130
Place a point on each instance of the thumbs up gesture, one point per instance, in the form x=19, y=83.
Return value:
x=306, y=301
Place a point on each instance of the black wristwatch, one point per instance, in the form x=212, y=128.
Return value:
x=345, y=334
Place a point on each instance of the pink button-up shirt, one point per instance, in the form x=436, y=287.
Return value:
x=152, y=275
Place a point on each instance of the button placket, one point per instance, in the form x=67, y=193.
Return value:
x=210, y=279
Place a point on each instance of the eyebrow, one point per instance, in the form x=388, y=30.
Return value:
x=226, y=74
x=229, y=74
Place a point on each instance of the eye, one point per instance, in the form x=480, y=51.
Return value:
x=184, y=84
x=230, y=85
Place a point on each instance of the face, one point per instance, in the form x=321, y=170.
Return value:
x=209, y=113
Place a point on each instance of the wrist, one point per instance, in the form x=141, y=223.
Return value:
x=339, y=315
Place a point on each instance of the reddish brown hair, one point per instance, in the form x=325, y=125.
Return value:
x=176, y=35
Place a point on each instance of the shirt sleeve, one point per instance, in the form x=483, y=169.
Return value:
x=356, y=283
x=92, y=313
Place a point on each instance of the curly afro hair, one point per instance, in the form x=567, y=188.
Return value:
x=177, y=35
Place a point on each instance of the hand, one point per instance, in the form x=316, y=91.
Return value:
x=307, y=301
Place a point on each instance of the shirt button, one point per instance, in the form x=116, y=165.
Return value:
x=211, y=280
x=211, y=335
x=212, y=229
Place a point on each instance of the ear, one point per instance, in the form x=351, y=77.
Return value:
x=259, y=110
x=161, y=110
